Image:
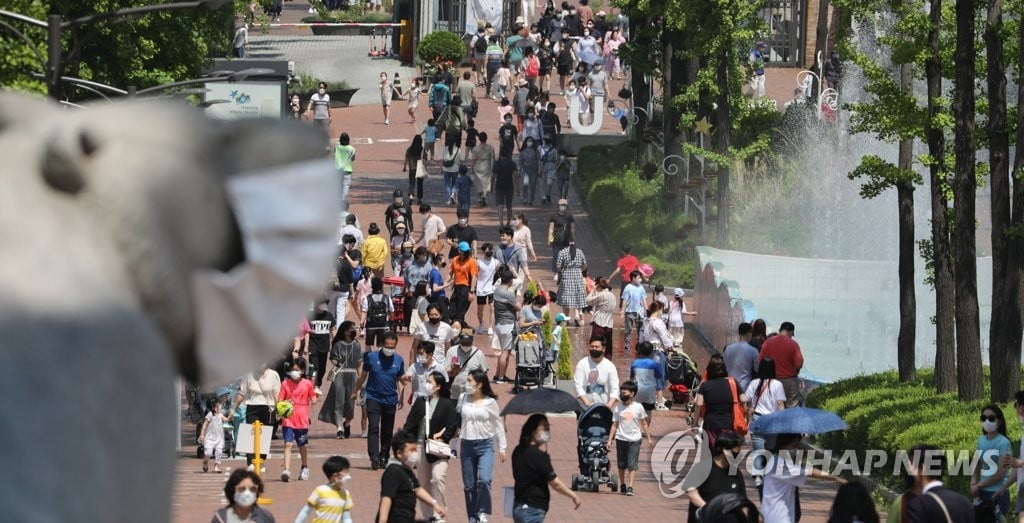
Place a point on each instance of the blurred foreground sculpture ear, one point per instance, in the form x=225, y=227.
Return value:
x=108, y=219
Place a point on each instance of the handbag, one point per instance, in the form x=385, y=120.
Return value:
x=434, y=447
x=739, y=412
x=421, y=169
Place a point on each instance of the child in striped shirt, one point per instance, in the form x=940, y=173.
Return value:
x=330, y=503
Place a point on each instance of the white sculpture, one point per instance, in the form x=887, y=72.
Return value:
x=110, y=219
x=574, y=116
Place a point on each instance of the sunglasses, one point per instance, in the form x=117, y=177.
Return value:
x=987, y=418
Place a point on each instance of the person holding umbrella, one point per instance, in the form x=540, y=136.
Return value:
x=533, y=473
x=779, y=504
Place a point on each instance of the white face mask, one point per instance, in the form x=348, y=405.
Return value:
x=412, y=459
x=989, y=426
x=421, y=359
x=463, y=221
x=322, y=91
x=544, y=436
x=245, y=498
x=285, y=252
x=343, y=481
x=472, y=388
x=388, y=352
x=295, y=374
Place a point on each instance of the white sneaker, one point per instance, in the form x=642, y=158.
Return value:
x=363, y=435
x=286, y=476
x=263, y=471
x=490, y=331
x=250, y=468
x=304, y=474
x=316, y=390
x=482, y=518
x=660, y=406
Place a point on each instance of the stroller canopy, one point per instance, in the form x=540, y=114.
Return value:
x=597, y=415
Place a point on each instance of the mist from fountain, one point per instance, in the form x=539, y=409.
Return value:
x=842, y=292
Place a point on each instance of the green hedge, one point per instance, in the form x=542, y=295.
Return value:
x=888, y=415
x=632, y=210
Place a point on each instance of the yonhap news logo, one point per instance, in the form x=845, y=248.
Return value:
x=680, y=461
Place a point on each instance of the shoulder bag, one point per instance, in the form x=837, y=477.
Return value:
x=434, y=447
x=739, y=411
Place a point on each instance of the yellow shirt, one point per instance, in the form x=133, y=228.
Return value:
x=375, y=252
x=329, y=504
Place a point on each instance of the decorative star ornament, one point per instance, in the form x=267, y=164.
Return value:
x=703, y=126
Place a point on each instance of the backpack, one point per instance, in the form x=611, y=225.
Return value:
x=377, y=311
x=481, y=44
x=532, y=67
x=452, y=121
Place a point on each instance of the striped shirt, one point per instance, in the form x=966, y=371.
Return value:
x=329, y=505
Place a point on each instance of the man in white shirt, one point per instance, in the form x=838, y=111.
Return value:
x=433, y=226
x=350, y=227
x=596, y=379
x=461, y=360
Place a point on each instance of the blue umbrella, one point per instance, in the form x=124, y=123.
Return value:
x=798, y=420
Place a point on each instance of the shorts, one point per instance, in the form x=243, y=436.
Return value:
x=503, y=333
x=627, y=454
x=375, y=336
x=485, y=299
x=647, y=406
x=298, y=436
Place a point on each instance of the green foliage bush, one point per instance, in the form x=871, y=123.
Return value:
x=632, y=210
x=563, y=367
x=441, y=46
x=888, y=415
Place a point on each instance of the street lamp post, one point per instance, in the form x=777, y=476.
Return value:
x=55, y=26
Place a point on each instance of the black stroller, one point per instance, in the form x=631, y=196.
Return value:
x=683, y=380
x=592, y=429
x=533, y=361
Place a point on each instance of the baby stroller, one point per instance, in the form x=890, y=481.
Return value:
x=533, y=362
x=397, y=320
x=592, y=429
x=683, y=380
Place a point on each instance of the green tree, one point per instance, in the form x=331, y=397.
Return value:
x=147, y=51
x=1006, y=328
x=698, y=49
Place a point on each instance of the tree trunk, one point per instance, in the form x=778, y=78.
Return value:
x=945, y=350
x=1005, y=328
x=905, y=344
x=673, y=70
x=638, y=83
x=723, y=133
x=969, y=377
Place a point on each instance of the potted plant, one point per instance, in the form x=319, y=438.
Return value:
x=440, y=48
x=354, y=12
x=305, y=85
